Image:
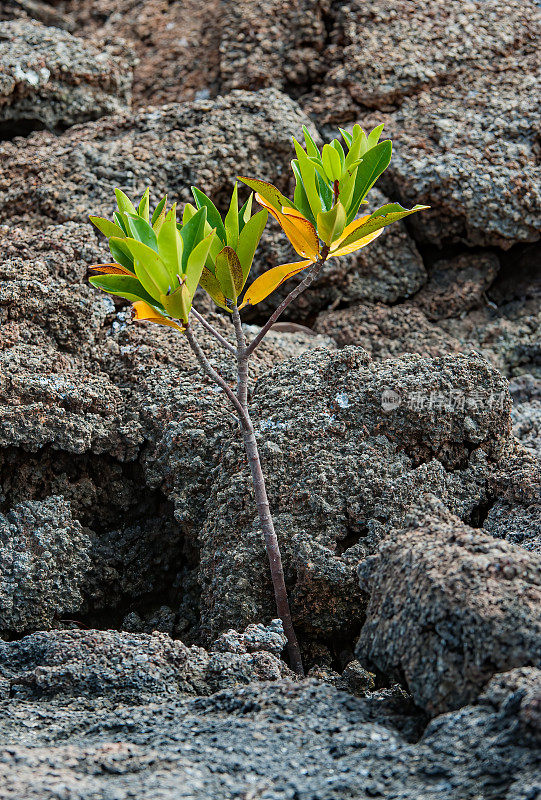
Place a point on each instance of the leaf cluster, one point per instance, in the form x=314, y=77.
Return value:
x=158, y=262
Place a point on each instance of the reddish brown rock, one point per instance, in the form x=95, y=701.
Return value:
x=456, y=285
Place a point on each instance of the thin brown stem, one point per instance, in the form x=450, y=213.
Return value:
x=273, y=549
x=209, y=370
x=217, y=335
x=240, y=403
x=308, y=280
x=242, y=359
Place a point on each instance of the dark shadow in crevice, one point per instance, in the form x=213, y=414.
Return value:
x=12, y=128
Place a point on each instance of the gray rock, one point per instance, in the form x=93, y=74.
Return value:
x=526, y=412
x=44, y=558
x=330, y=745
x=516, y=523
x=208, y=143
x=51, y=79
x=508, y=336
x=348, y=445
x=176, y=44
x=456, y=285
x=449, y=607
x=386, y=331
x=125, y=667
x=112, y=423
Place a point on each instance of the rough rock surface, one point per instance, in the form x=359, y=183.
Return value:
x=508, y=336
x=348, y=445
x=176, y=44
x=457, y=285
x=461, y=113
x=450, y=606
x=224, y=746
x=44, y=558
x=386, y=331
x=129, y=667
x=170, y=148
x=51, y=79
x=526, y=413
x=103, y=424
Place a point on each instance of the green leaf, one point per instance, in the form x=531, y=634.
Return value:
x=308, y=174
x=189, y=212
x=354, y=148
x=144, y=206
x=196, y=261
x=347, y=186
x=210, y=284
x=229, y=273
x=231, y=222
x=157, y=224
x=213, y=215
x=330, y=224
x=158, y=210
x=347, y=137
x=300, y=199
x=267, y=191
x=141, y=230
x=331, y=162
x=311, y=147
x=340, y=150
x=246, y=212
x=192, y=233
x=249, y=240
x=170, y=245
x=121, y=254
x=374, y=163
x=121, y=222
x=149, y=268
x=123, y=286
x=107, y=227
x=373, y=137
x=124, y=203
x=319, y=169
x=384, y=216
x=178, y=303
x=325, y=193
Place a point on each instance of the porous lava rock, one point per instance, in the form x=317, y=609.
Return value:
x=177, y=44
x=449, y=607
x=125, y=666
x=51, y=79
x=208, y=143
x=457, y=285
x=348, y=446
x=44, y=557
x=386, y=331
x=225, y=745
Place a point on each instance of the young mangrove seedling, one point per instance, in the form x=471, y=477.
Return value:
x=158, y=263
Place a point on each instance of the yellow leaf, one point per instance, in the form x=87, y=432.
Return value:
x=300, y=231
x=349, y=229
x=271, y=280
x=210, y=284
x=354, y=246
x=143, y=312
x=110, y=269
